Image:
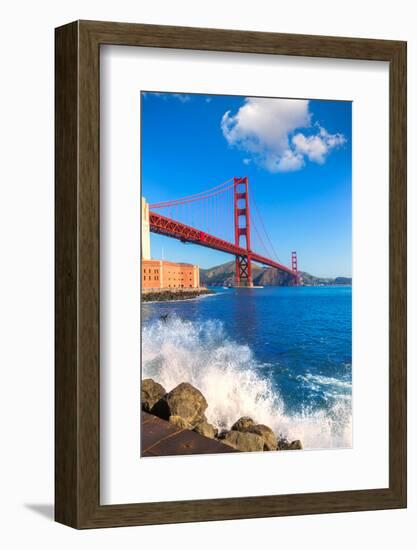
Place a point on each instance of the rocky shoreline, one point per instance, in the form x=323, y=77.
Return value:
x=165, y=295
x=185, y=406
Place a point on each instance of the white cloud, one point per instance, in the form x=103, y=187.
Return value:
x=183, y=98
x=287, y=161
x=317, y=147
x=266, y=128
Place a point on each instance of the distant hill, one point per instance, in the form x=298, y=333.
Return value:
x=343, y=281
x=268, y=276
x=224, y=274
x=311, y=280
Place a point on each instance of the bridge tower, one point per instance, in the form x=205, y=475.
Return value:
x=145, y=233
x=294, y=267
x=241, y=211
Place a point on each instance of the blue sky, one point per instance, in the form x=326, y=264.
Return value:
x=296, y=153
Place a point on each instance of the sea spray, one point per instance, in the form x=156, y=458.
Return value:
x=227, y=373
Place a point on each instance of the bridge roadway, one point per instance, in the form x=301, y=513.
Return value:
x=172, y=228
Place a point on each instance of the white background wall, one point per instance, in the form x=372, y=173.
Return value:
x=26, y=287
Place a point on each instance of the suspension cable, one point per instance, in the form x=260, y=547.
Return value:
x=264, y=228
x=195, y=196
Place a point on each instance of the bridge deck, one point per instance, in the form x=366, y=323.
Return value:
x=178, y=230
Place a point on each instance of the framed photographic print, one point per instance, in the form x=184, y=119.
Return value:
x=230, y=274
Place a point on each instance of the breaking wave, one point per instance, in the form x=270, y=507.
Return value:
x=228, y=375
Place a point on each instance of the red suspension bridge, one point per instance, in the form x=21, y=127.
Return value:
x=223, y=210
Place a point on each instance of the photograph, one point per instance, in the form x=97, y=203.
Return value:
x=208, y=275
x=246, y=273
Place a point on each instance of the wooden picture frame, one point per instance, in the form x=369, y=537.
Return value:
x=77, y=404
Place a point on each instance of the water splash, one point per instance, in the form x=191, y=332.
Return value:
x=229, y=376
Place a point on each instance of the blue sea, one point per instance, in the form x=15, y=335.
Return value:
x=282, y=355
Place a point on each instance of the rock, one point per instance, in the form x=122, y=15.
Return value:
x=270, y=439
x=246, y=424
x=285, y=445
x=179, y=422
x=243, y=423
x=184, y=401
x=243, y=441
x=150, y=392
x=206, y=429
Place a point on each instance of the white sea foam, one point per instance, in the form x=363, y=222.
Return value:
x=325, y=381
x=227, y=373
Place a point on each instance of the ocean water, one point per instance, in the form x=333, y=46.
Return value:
x=282, y=355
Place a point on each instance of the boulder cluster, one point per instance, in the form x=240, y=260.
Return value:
x=185, y=407
x=167, y=295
